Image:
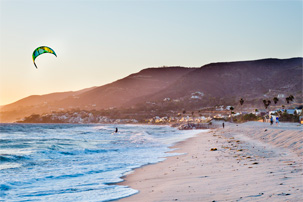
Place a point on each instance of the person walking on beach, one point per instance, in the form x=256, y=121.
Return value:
x=271, y=120
x=277, y=120
x=223, y=125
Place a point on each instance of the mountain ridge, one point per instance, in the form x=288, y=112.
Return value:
x=218, y=83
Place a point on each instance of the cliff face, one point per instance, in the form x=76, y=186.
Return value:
x=252, y=80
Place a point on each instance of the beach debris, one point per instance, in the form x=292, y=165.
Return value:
x=265, y=130
x=283, y=194
x=257, y=195
x=213, y=149
x=255, y=163
x=41, y=50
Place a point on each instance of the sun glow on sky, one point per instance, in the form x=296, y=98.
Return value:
x=98, y=42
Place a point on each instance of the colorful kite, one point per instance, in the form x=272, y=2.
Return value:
x=41, y=50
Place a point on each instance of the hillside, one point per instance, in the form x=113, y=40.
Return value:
x=252, y=80
x=212, y=84
x=145, y=82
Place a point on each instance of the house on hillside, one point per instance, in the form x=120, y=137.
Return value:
x=288, y=111
x=260, y=112
x=219, y=108
x=197, y=95
x=166, y=99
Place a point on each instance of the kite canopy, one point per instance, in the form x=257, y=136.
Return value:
x=41, y=50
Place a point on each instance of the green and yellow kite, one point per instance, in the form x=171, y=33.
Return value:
x=41, y=50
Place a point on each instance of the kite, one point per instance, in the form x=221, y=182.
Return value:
x=41, y=50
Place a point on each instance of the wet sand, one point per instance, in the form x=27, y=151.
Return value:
x=246, y=162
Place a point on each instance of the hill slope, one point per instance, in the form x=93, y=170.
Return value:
x=249, y=79
x=116, y=94
x=145, y=82
x=215, y=83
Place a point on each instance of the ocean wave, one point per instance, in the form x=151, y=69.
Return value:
x=101, y=127
x=58, y=160
x=4, y=166
x=15, y=152
x=142, y=138
x=88, y=151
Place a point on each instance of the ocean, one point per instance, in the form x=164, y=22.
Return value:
x=72, y=162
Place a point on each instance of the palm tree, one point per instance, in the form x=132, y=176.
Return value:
x=266, y=103
x=192, y=113
x=241, y=103
x=289, y=98
x=231, y=113
x=275, y=100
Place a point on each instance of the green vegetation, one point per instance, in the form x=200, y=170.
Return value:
x=247, y=117
x=285, y=117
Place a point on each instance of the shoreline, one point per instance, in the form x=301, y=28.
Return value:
x=241, y=167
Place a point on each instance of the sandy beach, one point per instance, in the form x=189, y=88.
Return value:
x=252, y=161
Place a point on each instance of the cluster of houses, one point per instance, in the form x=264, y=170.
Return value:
x=220, y=112
x=185, y=119
x=288, y=111
x=203, y=119
x=80, y=118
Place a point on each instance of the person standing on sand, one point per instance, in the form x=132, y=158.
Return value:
x=223, y=125
x=277, y=120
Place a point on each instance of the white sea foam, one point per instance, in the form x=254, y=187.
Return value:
x=9, y=165
x=19, y=152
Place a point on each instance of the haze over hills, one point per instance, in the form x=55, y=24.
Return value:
x=212, y=84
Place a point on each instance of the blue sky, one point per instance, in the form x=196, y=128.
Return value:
x=98, y=42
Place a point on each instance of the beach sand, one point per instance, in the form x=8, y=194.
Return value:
x=253, y=162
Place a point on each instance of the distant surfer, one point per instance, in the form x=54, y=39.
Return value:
x=116, y=130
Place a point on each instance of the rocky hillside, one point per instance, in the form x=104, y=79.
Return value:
x=209, y=85
x=252, y=80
